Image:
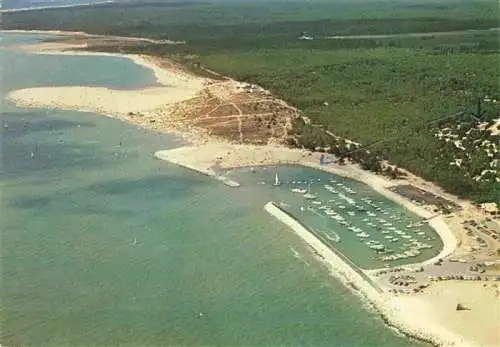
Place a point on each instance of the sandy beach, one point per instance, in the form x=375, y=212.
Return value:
x=436, y=306
x=430, y=315
x=176, y=87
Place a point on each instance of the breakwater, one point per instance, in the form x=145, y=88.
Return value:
x=395, y=310
x=163, y=155
x=339, y=263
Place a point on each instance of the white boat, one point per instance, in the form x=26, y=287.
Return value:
x=377, y=247
x=299, y=190
x=276, y=180
x=332, y=236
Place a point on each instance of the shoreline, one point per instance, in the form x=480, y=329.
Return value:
x=392, y=313
x=39, y=8
x=145, y=104
x=417, y=315
x=162, y=75
x=82, y=34
x=277, y=155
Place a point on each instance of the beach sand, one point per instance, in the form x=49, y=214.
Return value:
x=436, y=306
x=412, y=314
x=102, y=100
x=177, y=86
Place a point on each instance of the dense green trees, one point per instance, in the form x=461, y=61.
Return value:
x=392, y=95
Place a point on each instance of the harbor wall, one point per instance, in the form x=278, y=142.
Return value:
x=339, y=263
x=393, y=311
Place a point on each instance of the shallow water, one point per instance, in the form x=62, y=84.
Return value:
x=39, y=69
x=104, y=245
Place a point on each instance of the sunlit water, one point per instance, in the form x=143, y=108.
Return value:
x=104, y=245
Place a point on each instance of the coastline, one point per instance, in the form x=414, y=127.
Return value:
x=139, y=106
x=400, y=311
x=200, y=157
x=163, y=76
x=397, y=313
x=82, y=34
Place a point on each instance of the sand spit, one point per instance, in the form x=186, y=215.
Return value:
x=99, y=100
x=399, y=312
x=177, y=86
x=45, y=32
x=82, y=34
x=209, y=171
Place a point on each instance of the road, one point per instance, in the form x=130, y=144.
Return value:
x=431, y=34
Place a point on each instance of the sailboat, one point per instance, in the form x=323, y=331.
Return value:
x=276, y=179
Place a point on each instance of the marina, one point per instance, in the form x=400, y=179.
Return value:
x=366, y=227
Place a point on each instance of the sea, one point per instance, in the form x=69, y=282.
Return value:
x=104, y=245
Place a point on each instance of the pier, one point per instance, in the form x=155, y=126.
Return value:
x=341, y=265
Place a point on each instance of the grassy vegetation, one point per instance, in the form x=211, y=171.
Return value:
x=393, y=90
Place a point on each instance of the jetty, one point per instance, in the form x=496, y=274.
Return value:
x=349, y=271
x=393, y=310
x=163, y=155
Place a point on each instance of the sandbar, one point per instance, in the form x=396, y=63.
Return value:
x=176, y=86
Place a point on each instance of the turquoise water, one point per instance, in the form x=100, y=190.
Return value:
x=104, y=245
